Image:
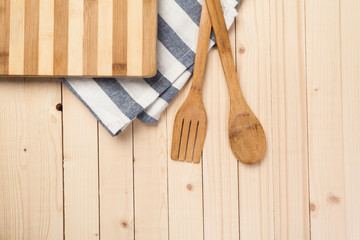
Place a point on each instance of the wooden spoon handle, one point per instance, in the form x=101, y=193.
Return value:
x=223, y=43
x=201, y=50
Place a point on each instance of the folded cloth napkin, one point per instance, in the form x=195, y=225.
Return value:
x=116, y=102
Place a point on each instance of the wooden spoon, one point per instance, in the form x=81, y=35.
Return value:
x=246, y=135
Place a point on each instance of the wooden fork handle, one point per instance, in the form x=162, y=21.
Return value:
x=201, y=50
x=223, y=44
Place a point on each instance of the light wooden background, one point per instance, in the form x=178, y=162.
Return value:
x=63, y=175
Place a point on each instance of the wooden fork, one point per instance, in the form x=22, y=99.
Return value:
x=191, y=121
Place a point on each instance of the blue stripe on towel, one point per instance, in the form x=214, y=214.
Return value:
x=169, y=94
x=192, y=9
x=119, y=96
x=174, y=44
x=146, y=118
x=159, y=82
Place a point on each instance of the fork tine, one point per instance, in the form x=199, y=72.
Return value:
x=200, y=138
x=184, y=139
x=191, y=141
x=175, y=147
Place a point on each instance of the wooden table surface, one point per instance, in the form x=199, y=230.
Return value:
x=63, y=175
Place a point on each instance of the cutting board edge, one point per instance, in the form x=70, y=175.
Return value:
x=77, y=76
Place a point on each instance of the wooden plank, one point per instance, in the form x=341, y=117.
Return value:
x=120, y=29
x=289, y=120
x=105, y=36
x=149, y=41
x=90, y=38
x=4, y=36
x=324, y=91
x=61, y=32
x=31, y=54
x=253, y=65
x=150, y=181
x=350, y=75
x=116, y=185
x=80, y=137
x=46, y=37
x=31, y=200
x=185, y=187
x=220, y=175
x=16, y=48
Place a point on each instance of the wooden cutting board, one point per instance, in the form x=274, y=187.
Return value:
x=78, y=37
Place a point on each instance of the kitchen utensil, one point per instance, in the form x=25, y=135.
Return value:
x=78, y=38
x=246, y=135
x=190, y=121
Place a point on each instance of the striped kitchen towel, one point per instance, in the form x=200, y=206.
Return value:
x=117, y=102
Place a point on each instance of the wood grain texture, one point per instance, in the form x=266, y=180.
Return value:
x=4, y=36
x=90, y=54
x=350, y=75
x=31, y=48
x=61, y=34
x=150, y=181
x=116, y=185
x=105, y=37
x=185, y=187
x=289, y=120
x=80, y=149
x=75, y=37
x=220, y=175
x=46, y=37
x=325, y=117
x=253, y=65
x=78, y=38
x=149, y=42
x=119, y=64
x=134, y=36
x=31, y=199
x=16, y=44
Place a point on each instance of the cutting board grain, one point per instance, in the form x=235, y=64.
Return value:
x=99, y=38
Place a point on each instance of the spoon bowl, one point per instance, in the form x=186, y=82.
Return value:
x=247, y=137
